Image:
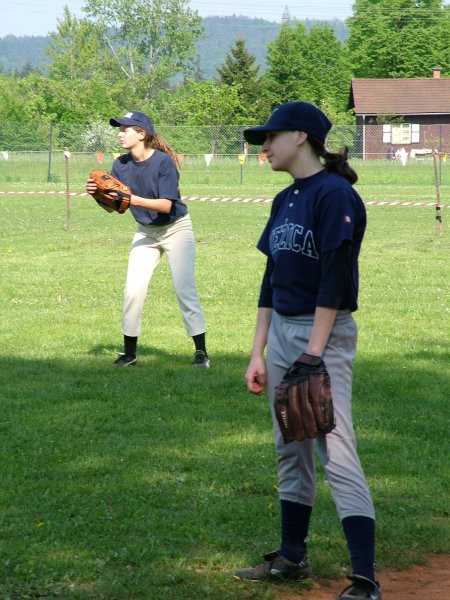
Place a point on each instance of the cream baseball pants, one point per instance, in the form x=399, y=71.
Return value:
x=177, y=242
x=288, y=338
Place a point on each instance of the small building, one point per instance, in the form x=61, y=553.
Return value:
x=409, y=115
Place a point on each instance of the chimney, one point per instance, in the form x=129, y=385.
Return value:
x=437, y=72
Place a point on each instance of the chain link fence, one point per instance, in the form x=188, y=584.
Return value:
x=217, y=156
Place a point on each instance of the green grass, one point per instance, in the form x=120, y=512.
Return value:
x=159, y=481
x=379, y=180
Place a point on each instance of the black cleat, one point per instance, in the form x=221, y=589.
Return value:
x=361, y=589
x=125, y=361
x=201, y=360
x=276, y=568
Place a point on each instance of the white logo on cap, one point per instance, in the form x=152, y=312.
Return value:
x=129, y=115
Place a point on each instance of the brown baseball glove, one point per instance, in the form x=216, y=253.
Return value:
x=111, y=194
x=303, y=402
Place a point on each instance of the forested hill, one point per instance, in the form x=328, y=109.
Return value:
x=20, y=53
x=222, y=33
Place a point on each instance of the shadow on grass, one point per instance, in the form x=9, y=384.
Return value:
x=112, y=349
x=159, y=480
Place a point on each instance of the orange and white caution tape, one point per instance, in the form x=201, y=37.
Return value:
x=219, y=199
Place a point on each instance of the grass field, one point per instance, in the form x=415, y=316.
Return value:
x=379, y=180
x=157, y=482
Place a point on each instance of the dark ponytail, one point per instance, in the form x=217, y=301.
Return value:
x=334, y=162
x=159, y=143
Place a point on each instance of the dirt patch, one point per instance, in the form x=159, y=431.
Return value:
x=430, y=581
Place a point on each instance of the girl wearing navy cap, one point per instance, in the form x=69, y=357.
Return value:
x=308, y=293
x=150, y=169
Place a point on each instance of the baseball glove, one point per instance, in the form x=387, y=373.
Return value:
x=108, y=185
x=303, y=402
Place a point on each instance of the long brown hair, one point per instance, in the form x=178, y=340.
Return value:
x=334, y=162
x=157, y=142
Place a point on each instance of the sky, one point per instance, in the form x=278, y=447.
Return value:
x=39, y=17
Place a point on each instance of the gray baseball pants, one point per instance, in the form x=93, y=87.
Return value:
x=148, y=245
x=288, y=338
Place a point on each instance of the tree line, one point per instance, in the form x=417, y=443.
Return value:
x=24, y=54
x=141, y=55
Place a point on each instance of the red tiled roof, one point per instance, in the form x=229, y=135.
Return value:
x=401, y=96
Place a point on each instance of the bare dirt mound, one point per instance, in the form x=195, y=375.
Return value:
x=430, y=581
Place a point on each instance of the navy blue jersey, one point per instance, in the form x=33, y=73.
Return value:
x=156, y=177
x=311, y=217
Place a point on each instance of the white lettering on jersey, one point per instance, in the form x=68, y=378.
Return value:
x=293, y=238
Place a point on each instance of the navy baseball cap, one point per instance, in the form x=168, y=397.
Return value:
x=292, y=116
x=135, y=119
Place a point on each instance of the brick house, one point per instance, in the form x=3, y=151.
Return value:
x=395, y=114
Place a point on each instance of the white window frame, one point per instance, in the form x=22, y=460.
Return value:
x=386, y=134
x=401, y=133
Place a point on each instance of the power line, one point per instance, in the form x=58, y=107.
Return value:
x=20, y=9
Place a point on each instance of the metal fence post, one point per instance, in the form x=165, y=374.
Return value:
x=242, y=150
x=49, y=171
x=68, y=207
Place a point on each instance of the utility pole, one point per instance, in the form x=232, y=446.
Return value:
x=286, y=18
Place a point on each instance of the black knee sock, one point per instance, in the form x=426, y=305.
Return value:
x=360, y=535
x=130, y=344
x=295, y=519
x=199, y=341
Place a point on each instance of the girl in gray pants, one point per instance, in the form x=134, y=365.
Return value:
x=308, y=293
x=150, y=169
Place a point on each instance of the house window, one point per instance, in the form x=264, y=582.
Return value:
x=403, y=133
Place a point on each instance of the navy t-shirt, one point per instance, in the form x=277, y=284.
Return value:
x=312, y=216
x=156, y=177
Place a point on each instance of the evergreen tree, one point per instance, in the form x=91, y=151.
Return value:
x=286, y=57
x=239, y=66
x=329, y=75
x=312, y=67
x=240, y=69
x=399, y=38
